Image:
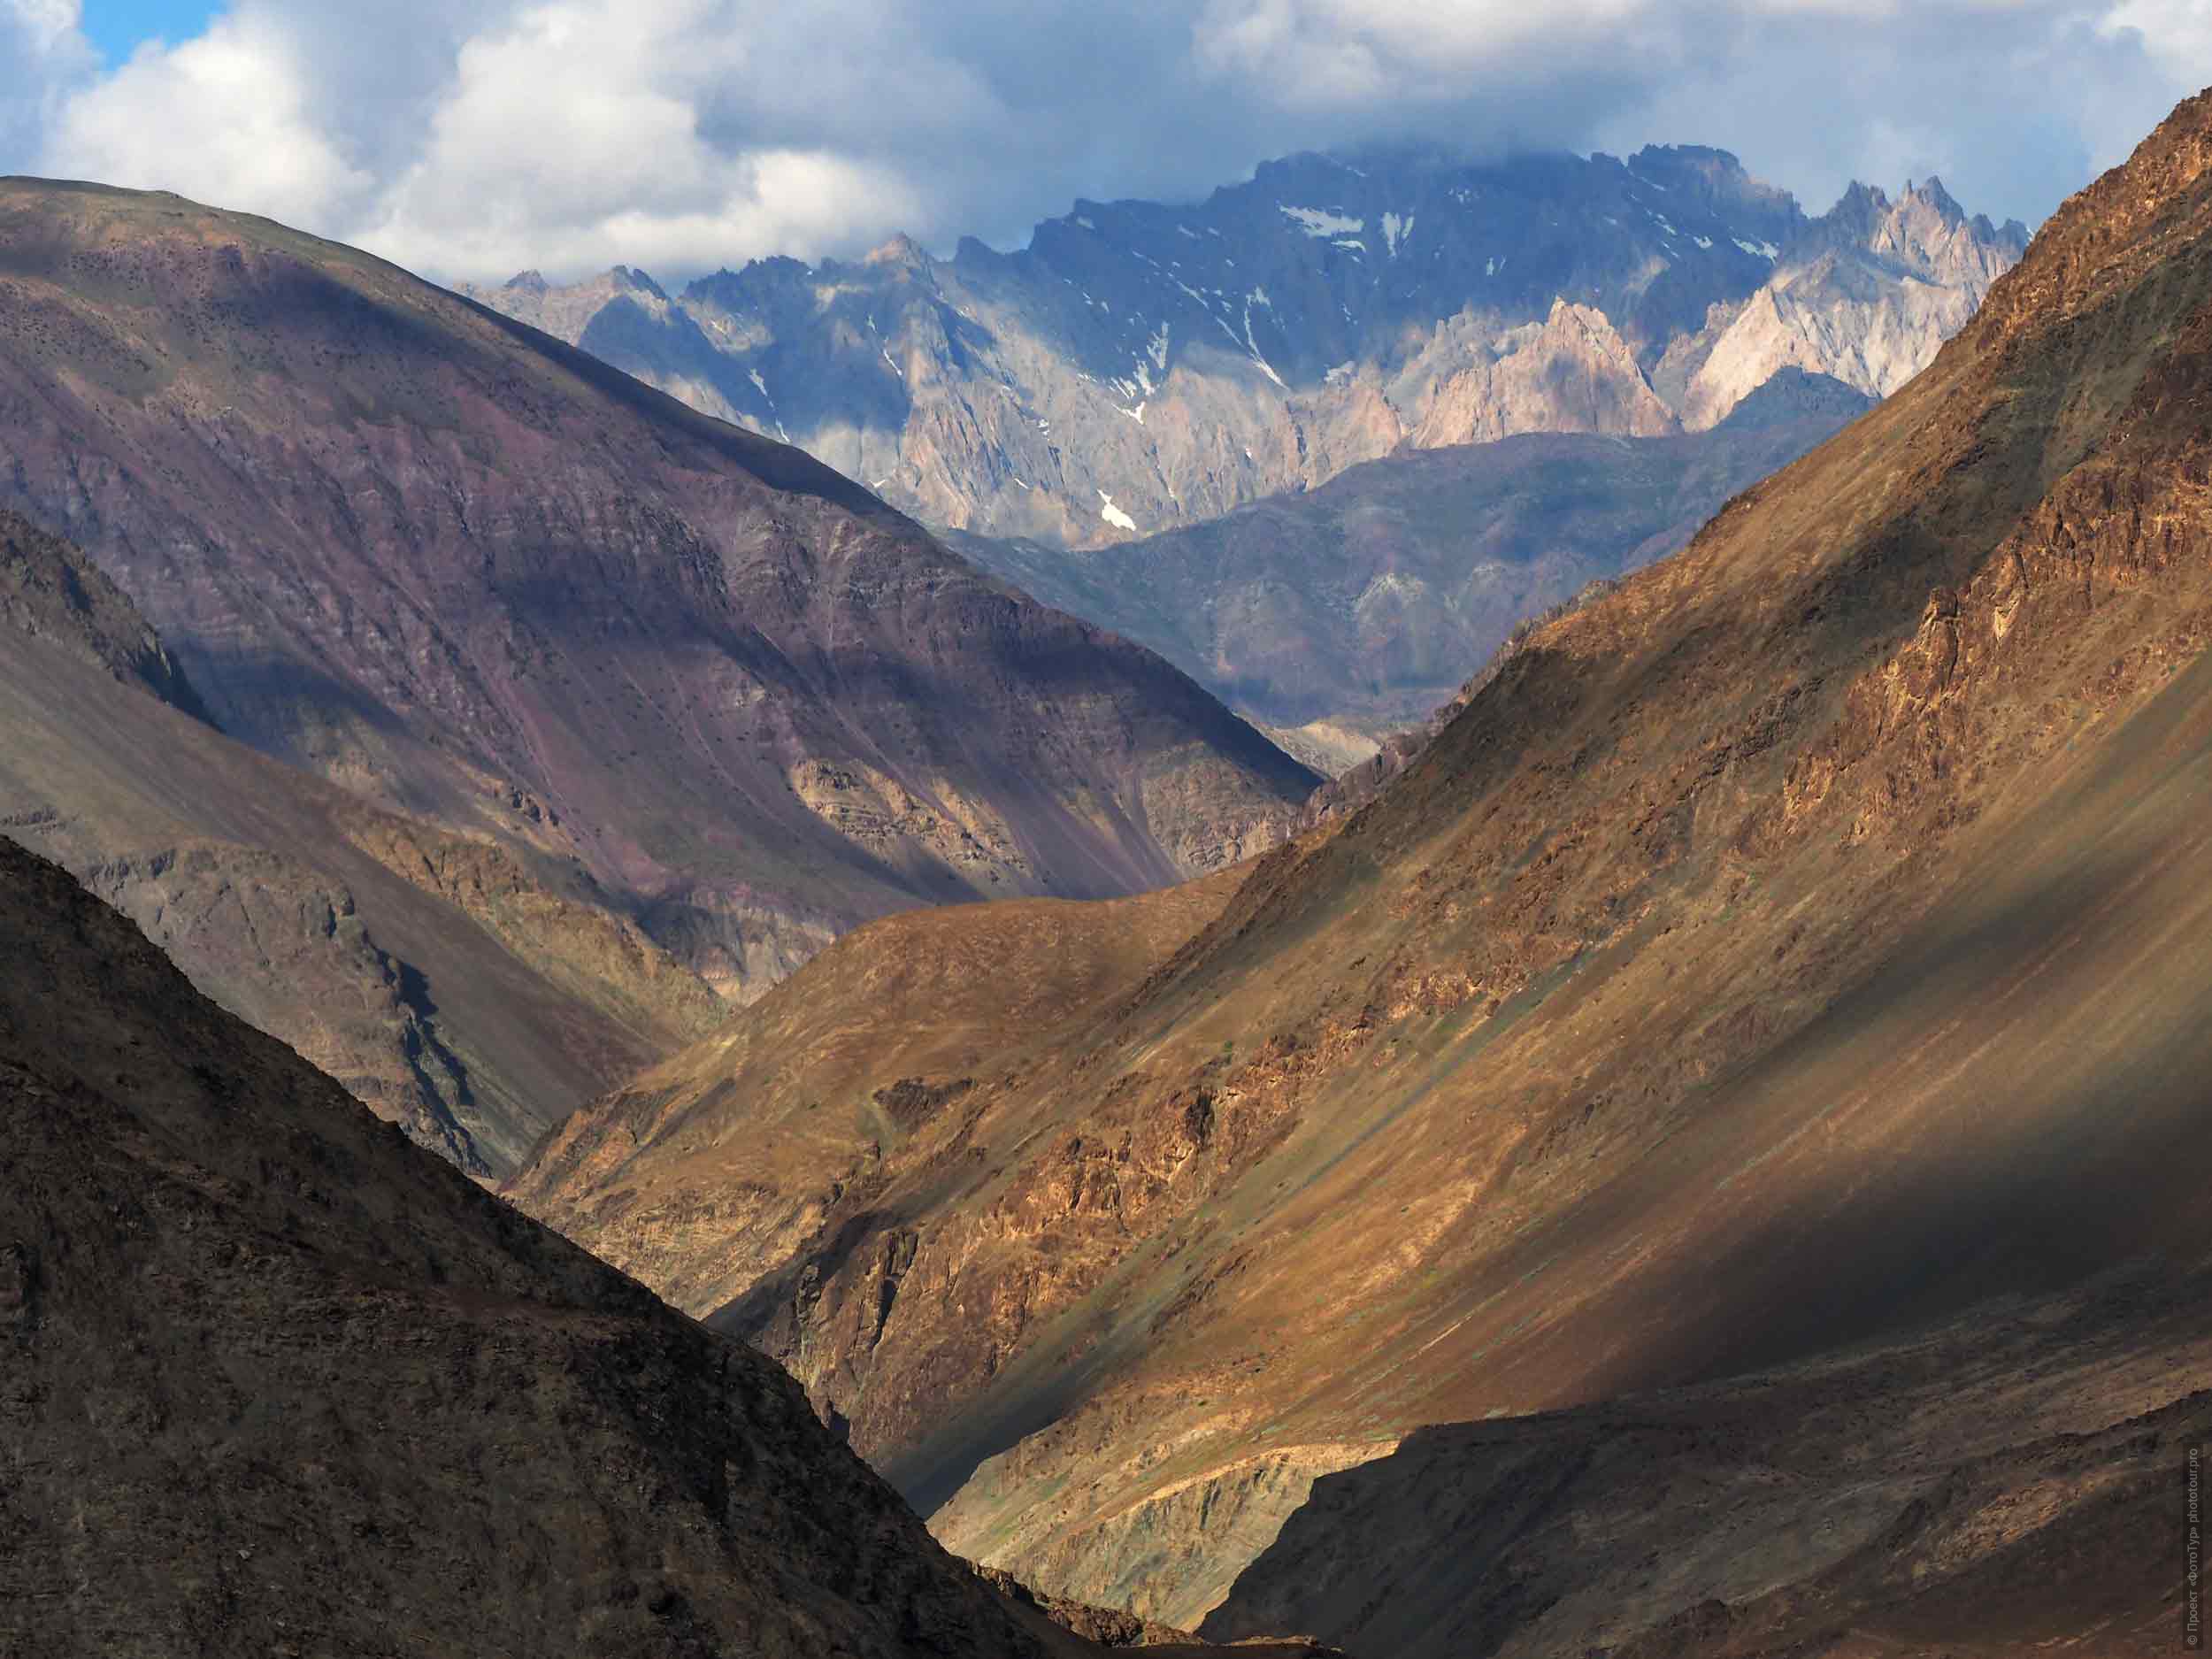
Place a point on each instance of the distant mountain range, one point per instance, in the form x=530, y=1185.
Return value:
x=1140, y=367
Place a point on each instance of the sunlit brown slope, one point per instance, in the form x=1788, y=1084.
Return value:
x=905, y=1023
x=476, y=574
x=1810, y=939
x=469, y=991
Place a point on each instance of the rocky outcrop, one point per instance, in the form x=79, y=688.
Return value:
x=50, y=591
x=1573, y=373
x=1140, y=367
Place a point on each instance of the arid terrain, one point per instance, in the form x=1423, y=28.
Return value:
x=278, y=1381
x=1783, y=985
x=1452, y=903
x=475, y=576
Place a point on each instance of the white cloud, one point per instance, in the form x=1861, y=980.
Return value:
x=43, y=54
x=225, y=116
x=470, y=138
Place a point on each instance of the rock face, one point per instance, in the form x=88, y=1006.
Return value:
x=278, y=1382
x=49, y=590
x=1804, y=946
x=1140, y=367
x=470, y=990
x=1867, y=298
x=1364, y=604
x=481, y=578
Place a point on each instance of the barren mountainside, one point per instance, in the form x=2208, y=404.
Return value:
x=469, y=990
x=371, y=1409
x=278, y=1381
x=476, y=576
x=1363, y=604
x=1142, y=367
x=1788, y=967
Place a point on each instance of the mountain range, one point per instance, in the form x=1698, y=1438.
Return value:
x=580, y=637
x=1140, y=366
x=1701, y=1162
x=1692, y=1149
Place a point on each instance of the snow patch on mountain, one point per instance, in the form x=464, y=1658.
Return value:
x=1319, y=223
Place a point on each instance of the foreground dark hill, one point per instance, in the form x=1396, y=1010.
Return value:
x=469, y=990
x=1367, y=602
x=479, y=576
x=1803, y=945
x=276, y=1381
x=279, y=1381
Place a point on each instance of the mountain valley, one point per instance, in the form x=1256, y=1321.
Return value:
x=1460, y=904
x=1785, y=977
x=278, y=1382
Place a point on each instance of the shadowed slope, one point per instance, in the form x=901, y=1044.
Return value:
x=277, y=1380
x=1804, y=942
x=2002, y=1484
x=468, y=990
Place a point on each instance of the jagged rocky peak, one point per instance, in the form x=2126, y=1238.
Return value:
x=902, y=252
x=622, y=276
x=1925, y=231
x=1139, y=365
x=1717, y=181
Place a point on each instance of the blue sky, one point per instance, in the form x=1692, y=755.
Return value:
x=116, y=26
